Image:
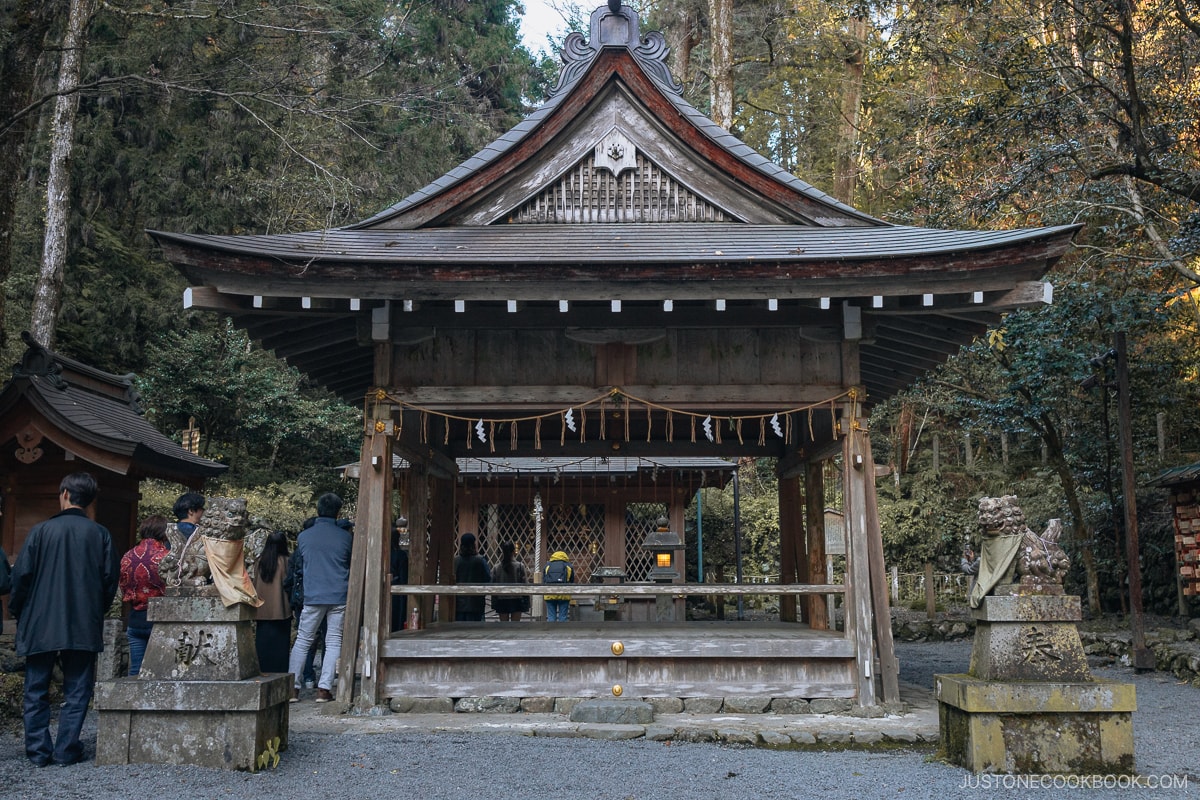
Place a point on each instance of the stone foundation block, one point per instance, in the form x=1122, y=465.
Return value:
x=666, y=705
x=746, y=705
x=1029, y=727
x=613, y=712
x=222, y=724
x=702, y=705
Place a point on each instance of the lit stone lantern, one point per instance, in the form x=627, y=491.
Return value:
x=665, y=544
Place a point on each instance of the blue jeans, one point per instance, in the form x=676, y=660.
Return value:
x=79, y=678
x=137, y=631
x=557, y=610
x=310, y=622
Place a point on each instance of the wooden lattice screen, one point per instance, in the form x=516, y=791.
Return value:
x=507, y=523
x=577, y=530
x=642, y=194
x=640, y=520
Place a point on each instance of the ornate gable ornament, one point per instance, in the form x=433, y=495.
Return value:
x=38, y=362
x=615, y=183
x=616, y=26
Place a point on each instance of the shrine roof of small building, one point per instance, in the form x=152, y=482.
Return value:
x=92, y=411
x=1177, y=476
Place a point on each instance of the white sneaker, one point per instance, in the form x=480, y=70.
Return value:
x=310, y=684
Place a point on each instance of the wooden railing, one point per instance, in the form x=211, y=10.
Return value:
x=626, y=589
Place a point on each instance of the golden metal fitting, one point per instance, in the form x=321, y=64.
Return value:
x=617, y=648
x=618, y=690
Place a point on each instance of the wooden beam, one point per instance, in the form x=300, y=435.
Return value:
x=430, y=453
x=1025, y=294
x=613, y=447
x=814, y=509
x=694, y=397
x=441, y=536
x=631, y=589
x=374, y=503
x=791, y=536
x=351, y=634
x=418, y=529
x=909, y=353
x=210, y=298
x=859, y=623
x=889, y=667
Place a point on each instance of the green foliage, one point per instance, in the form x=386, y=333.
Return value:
x=759, y=522
x=255, y=413
x=12, y=697
x=277, y=506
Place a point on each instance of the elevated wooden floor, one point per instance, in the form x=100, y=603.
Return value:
x=647, y=659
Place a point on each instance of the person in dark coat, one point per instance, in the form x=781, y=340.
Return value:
x=399, y=570
x=63, y=582
x=5, y=573
x=470, y=567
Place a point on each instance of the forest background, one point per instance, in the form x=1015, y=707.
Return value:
x=231, y=116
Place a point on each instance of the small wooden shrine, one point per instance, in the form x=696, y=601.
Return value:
x=58, y=416
x=1183, y=483
x=617, y=276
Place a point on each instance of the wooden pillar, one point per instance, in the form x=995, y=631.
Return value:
x=814, y=569
x=858, y=479
x=441, y=542
x=418, y=537
x=675, y=515
x=368, y=592
x=793, y=566
x=889, y=667
x=614, y=531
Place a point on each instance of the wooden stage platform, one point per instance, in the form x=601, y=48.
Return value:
x=646, y=659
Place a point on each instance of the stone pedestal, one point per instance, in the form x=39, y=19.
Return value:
x=1029, y=703
x=200, y=698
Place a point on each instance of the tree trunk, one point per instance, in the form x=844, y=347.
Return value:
x=683, y=39
x=48, y=292
x=845, y=175
x=1079, y=532
x=22, y=32
x=720, y=22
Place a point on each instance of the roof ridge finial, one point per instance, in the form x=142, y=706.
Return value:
x=616, y=25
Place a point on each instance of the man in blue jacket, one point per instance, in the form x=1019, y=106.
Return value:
x=63, y=582
x=323, y=551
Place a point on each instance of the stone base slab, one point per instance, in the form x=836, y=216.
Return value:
x=222, y=724
x=1036, y=727
x=1029, y=608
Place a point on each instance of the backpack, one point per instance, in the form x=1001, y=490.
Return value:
x=557, y=572
x=293, y=584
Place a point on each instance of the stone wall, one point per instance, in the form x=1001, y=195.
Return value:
x=932, y=630
x=1176, y=650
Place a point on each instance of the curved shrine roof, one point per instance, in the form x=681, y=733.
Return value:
x=617, y=190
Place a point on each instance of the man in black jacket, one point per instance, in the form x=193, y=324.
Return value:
x=62, y=585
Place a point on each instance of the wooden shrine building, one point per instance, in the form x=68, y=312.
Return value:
x=617, y=276
x=58, y=416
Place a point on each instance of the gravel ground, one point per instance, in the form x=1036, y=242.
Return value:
x=510, y=767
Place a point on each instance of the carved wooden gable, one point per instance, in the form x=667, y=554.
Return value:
x=616, y=143
x=616, y=182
